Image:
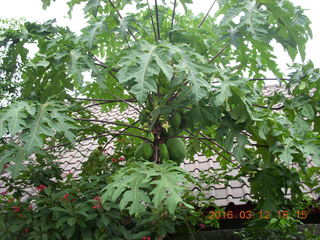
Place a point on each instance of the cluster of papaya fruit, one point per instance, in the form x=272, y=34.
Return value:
x=173, y=148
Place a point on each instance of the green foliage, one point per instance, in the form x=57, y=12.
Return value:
x=144, y=186
x=33, y=124
x=281, y=224
x=145, y=60
x=199, y=77
x=62, y=209
x=12, y=54
x=270, y=229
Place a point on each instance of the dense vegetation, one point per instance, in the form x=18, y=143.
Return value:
x=196, y=83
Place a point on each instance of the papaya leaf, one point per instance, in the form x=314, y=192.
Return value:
x=134, y=184
x=142, y=72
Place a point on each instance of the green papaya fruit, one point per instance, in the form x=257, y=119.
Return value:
x=148, y=151
x=177, y=149
x=176, y=121
x=168, y=133
x=144, y=150
x=164, y=154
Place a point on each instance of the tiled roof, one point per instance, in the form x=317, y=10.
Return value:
x=236, y=191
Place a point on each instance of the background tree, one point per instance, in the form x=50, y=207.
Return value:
x=196, y=83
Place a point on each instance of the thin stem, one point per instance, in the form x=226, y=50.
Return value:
x=153, y=26
x=269, y=79
x=188, y=225
x=101, y=135
x=271, y=108
x=79, y=140
x=114, y=7
x=100, y=103
x=215, y=143
x=101, y=64
x=112, y=123
x=120, y=132
x=203, y=141
x=131, y=135
x=157, y=17
x=95, y=104
x=114, y=95
x=111, y=73
x=205, y=17
x=219, y=53
x=106, y=100
x=172, y=18
x=260, y=145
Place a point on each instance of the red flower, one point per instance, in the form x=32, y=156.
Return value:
x=114, y=160
x=66, y=196
x=97, y=198
x=26, y=230
x=73, y=200
x=41, y=187
x=122, y=159
x=201, y=225
x=30, y=207
x=146, y=238
x=97, y=206
x=16, y=209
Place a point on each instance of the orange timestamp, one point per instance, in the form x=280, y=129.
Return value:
x=249, y=214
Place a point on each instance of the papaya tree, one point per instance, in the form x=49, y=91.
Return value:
x=195, y=82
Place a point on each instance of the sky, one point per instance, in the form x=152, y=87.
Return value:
x=32, y=11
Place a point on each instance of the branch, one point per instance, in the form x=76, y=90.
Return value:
x=268, y=79
x=106, y=100
x=114, y=7
x=219, y=53
x=157, y=17
x=215, y=143
x=172, y=18
x=117, y=96
x=79, y=140
x=114, y=123
x=97, y=136
x=201, y=140
x=153, y=26
x=205, y=17
x=271, y=108
x=114, y=95
x=101, y=64
x=131, y=135
x=96, y=104
x=119, y=132
x=259, y=145
x=101, y=101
